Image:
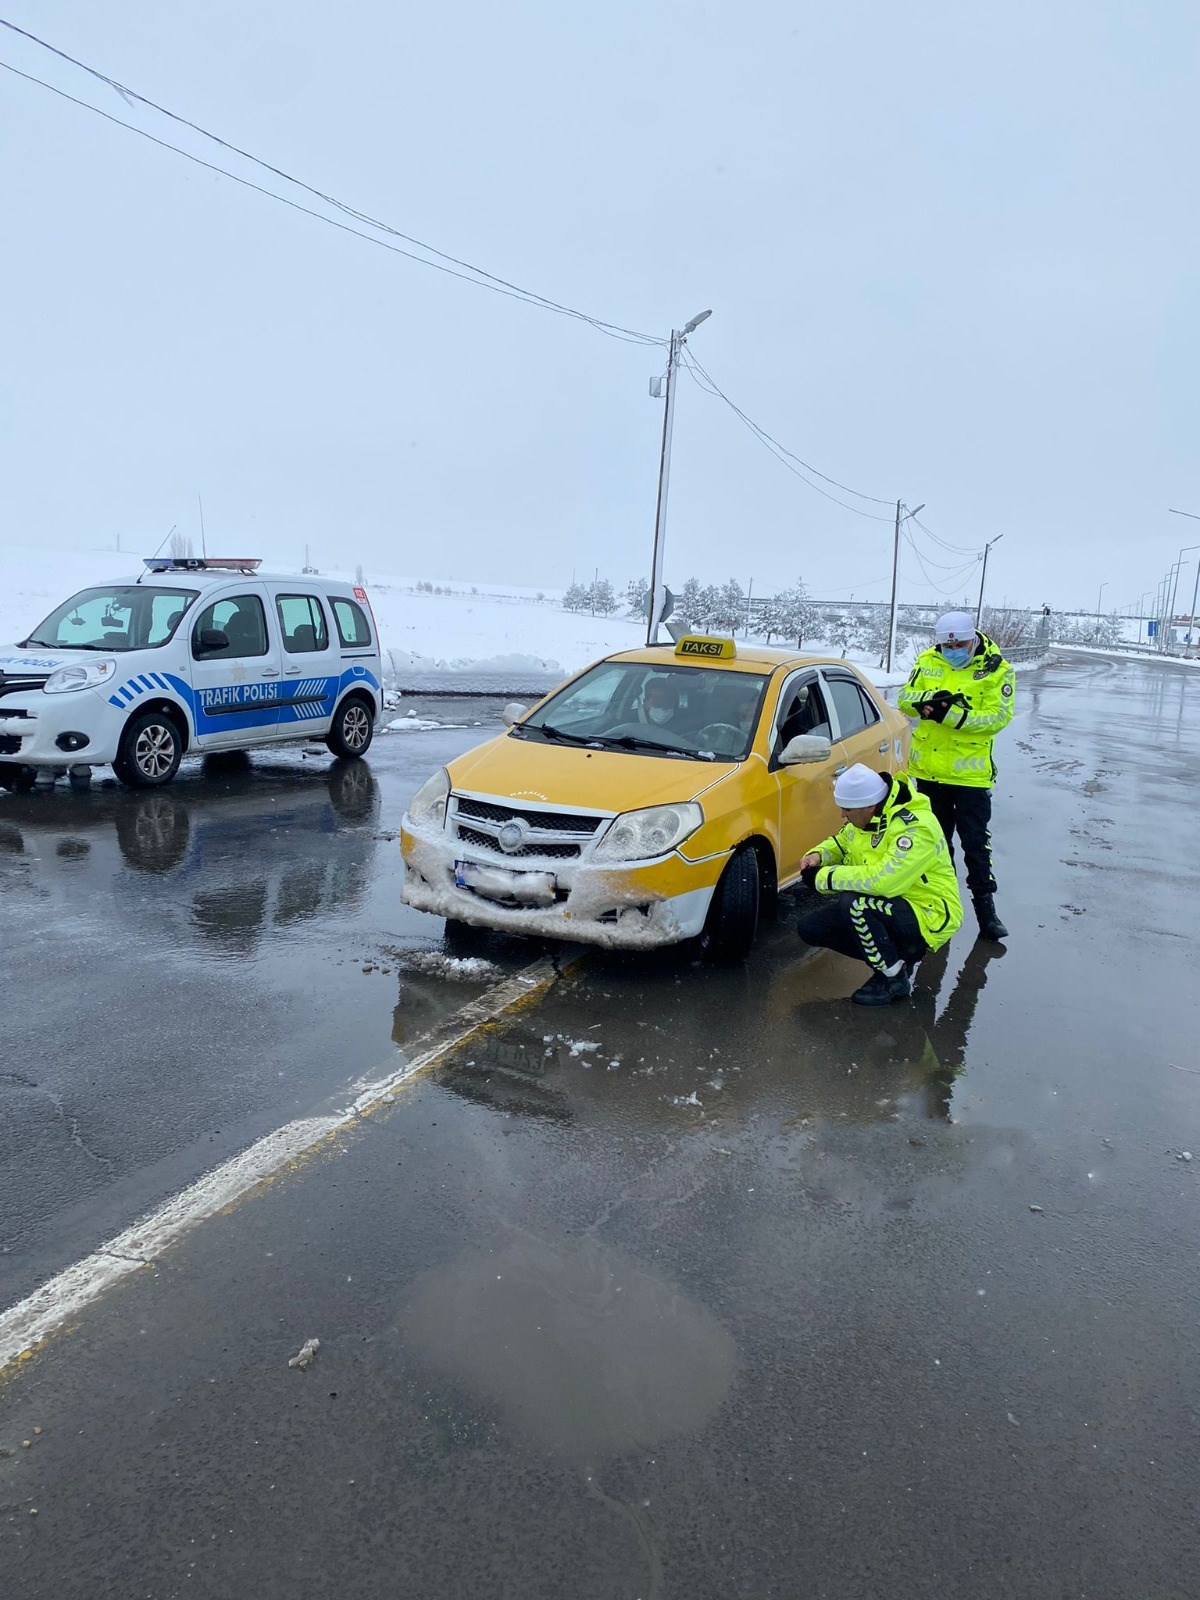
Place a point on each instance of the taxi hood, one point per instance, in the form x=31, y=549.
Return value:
x=593, y=780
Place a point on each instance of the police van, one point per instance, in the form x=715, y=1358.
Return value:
x=194, y=655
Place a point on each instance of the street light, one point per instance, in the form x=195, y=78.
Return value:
x=661, y=390
x=891, y=645
x=1196, y=585
x=983, y=577
x=1099, y=597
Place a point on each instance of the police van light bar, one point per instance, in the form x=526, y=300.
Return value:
x=202, y=563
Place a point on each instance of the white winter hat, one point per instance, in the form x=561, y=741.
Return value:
x=858, y=786
x=956, y=627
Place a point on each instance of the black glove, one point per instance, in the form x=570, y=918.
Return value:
x=808, y=877
x=938, y=705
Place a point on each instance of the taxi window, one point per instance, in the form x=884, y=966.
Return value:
x=653, y=708
x=854, y=710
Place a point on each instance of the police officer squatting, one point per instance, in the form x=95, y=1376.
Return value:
x=961, y=692
x=888, y=882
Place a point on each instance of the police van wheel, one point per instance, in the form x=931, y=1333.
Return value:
x=151, y=749
x=733, y=916
x=353, y=729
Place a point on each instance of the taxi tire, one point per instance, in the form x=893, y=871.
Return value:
x=157, y=763
x=733, y=916
x=349, y=736
x=463, y=938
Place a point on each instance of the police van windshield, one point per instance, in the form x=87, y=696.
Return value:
x=128, y=617
x=694, y=713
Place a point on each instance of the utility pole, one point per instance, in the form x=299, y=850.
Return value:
x=1099, y=597
x=891, y=645
x=983, y=577
x=661, y=391
x=1196, y=585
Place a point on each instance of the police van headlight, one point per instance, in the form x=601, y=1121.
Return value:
x=86, y=675
x=427, y=808
x=642, y=835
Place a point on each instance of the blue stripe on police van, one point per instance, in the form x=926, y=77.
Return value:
x=148, y=682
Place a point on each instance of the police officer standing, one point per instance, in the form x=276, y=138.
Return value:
x=961, y=692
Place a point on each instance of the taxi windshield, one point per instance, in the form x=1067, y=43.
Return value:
x=125, y=617
x=693, y=713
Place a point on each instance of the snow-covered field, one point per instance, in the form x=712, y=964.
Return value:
x=498, y=641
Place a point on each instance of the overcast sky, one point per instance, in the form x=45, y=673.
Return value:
x=950, y=250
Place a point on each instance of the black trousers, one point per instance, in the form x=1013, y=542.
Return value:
x=865, y=927
x=967, y=812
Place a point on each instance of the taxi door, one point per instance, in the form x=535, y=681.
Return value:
x=234, y=668
x=807, y=813
x=860, y=734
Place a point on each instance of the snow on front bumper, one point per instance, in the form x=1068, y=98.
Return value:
x=634, y=907
x=31, y=723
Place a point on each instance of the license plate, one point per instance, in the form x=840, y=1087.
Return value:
x=499, y=883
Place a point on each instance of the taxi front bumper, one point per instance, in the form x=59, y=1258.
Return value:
x=636, y=906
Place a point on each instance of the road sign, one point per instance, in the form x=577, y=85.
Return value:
x=1152, y=630
x=668, y=604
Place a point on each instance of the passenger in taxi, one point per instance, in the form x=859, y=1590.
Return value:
x=660, y=702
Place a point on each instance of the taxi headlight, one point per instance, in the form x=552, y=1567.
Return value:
x=642, y=835
x=84, y=675
x=427, y=808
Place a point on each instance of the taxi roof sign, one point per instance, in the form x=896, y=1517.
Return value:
x=700, y=647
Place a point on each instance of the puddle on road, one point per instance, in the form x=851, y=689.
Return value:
x=576, y=1343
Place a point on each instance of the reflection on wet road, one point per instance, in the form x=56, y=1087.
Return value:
x=188, y=968
x=692, y=1284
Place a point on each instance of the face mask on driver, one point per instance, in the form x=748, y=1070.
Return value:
x=659, y=713
x=957, y=655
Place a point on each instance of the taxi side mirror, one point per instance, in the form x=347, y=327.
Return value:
x=805, y=748
x=513, y=713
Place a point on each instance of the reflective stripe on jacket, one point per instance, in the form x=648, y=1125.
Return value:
x=900, y=855
x=959, y=749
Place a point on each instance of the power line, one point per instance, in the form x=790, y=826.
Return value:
x=467, y=271
x=951, y=580
x=958, y=549
x=781, y=453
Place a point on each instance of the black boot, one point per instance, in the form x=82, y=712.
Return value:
x=990, y=926
x=880, y=990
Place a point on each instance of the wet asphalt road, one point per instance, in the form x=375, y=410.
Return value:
x=185, y=970
x=748, y=1300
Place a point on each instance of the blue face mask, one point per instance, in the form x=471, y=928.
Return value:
x=957, y=655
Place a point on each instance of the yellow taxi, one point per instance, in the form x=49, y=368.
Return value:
x=660, y=795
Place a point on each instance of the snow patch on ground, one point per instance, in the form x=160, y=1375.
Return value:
x=414, y=724
x=473, y=969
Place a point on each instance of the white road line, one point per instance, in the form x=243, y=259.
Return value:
x=49, y=1308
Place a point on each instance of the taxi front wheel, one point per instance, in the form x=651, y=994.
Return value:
x=733, y=916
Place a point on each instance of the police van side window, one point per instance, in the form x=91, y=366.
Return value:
x=302, y=623
x=235, y=626
x=353, y=629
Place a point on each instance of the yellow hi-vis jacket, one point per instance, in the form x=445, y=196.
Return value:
x=900, y=855
x=959, y=749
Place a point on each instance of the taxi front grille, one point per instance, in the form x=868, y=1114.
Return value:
x=543, y=821
x=546, y=835
x=10, y=745
x=544, y=852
